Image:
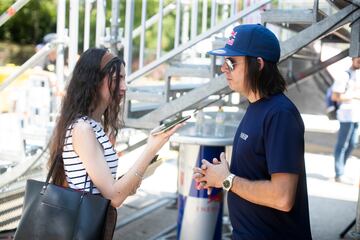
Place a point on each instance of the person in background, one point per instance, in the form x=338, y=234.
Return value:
x=346, y=92
x=266, y=181
x=47, y=62
x=91, y=114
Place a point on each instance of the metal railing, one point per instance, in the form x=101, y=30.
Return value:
x=12, y=10
x=44, y=51
x=132, y=76
x=182, y=33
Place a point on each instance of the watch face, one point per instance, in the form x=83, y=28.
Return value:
x=226, y=183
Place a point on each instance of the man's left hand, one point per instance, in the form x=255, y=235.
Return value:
x=212, y=174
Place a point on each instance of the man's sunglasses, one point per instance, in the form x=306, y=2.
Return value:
x=230, y=64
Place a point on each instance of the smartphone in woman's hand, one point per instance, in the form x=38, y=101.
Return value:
x=169, y=125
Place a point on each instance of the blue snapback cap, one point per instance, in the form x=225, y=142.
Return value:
x=252, y=40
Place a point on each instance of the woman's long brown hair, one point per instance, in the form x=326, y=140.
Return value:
x=81, y=97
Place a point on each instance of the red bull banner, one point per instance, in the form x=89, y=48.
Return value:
x=200, y=214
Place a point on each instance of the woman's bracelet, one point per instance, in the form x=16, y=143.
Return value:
x=139, y=175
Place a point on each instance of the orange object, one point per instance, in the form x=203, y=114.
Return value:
x=11, y=11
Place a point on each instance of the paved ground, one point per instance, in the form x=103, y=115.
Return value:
x=152, y=213
x=332, y=205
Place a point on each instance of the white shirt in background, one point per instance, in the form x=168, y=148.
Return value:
x=348, y=83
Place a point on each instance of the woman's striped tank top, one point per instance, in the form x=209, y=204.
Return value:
x=73, y=166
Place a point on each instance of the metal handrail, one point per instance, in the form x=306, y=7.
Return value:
x=12, y=10
x=153, y=19
x=146, y=69
x=44, y=51
x=288, y=47
x=21, y=168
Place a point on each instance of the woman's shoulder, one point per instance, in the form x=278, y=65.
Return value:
x=84, y=121
x=86, y=127
x=83, y=136
x=82, y=126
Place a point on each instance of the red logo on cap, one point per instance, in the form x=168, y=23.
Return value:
x=232, y=38
x=230, y=42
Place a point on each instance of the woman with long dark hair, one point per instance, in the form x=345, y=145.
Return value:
x=91, y=115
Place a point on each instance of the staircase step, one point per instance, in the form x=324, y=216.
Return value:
x=140, y=109
x=291, y=16
x=155, y=93
x=189, y=70
x=145, y=96
x=299, y=19
x=189, y=101
x=339, y=3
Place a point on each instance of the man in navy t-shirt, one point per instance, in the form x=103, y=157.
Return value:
x=266, y=182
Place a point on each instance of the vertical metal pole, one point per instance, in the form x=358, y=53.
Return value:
x=233, y=8
x=213, y=13
x=114, y=34
x=185, y=23
x=290, y=73
x=204, y=16
x=153, y=19
x=194, y=18
x=354, y=50
x=355, y=234
x=330, y=10
x=129, y=22
x=357, y=225
x=87, y=24
x=225, y=12
x=159, y=36
x=213, y=67
x=100, y=22
x=315, y=10
x=167, y=88
x=60, y=33
x=73, y=33
x=177, y=23
x=142, y=35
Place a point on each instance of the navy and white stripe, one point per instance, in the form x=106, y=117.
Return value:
x=74, y=168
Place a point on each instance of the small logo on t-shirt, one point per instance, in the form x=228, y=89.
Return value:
x=244, y=136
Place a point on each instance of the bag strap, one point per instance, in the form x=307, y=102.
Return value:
x=51, y=170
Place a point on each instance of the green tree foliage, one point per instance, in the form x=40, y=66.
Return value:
x=168, y=27
x=38, y=17
x=31, y=23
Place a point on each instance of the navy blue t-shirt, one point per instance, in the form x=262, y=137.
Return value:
x=269, y=139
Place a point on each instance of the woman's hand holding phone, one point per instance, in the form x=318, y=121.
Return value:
x=159, y=137
x=169, y=125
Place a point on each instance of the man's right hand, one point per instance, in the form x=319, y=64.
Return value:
x=200, y=172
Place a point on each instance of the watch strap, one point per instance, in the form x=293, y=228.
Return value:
x=228, y=182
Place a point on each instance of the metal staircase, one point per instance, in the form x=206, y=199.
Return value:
x=193, y=98
x=308, y=25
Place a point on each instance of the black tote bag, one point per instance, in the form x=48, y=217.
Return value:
x=59, y=213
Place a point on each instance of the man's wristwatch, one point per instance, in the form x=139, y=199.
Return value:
x=228, y=182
